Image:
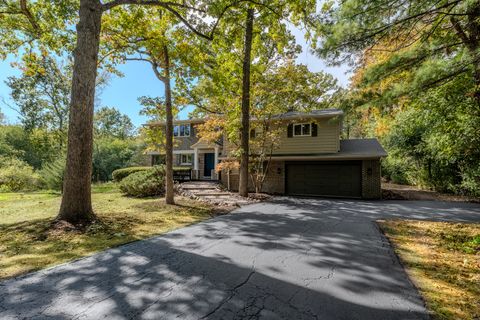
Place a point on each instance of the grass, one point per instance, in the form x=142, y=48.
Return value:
x=443, y=260
x=27, y=244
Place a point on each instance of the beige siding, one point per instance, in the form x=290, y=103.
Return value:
x=326, y=141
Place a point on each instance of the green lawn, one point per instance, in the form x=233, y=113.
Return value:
x=443, y=259
x=27, y=243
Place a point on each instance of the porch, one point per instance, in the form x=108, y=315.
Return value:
x=205, y=160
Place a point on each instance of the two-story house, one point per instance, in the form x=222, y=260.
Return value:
x=310, y=158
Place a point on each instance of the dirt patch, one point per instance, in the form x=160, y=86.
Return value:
x=391, y=191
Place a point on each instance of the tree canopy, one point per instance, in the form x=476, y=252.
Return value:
x=427, y=43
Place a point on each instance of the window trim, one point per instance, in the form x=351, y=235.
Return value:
x=186, y=155
x=179, y=135
x=301, y=129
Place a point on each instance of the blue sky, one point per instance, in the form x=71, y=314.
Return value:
x=139, y=80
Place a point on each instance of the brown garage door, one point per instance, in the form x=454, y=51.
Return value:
x=330, y=179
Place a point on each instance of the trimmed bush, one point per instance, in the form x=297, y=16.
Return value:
x=146, y=183
x=120, y=174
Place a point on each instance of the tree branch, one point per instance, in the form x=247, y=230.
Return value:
x=26, y=12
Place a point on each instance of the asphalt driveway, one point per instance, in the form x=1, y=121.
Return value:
x=289, y=259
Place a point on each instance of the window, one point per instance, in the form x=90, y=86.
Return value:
x=186, y=159
x=302, y=129
x=182, y=130
x=158, y=159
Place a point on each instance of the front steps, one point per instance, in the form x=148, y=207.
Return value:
x=212, y=192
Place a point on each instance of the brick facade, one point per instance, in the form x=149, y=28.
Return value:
x=371, y=174
x=274, y=182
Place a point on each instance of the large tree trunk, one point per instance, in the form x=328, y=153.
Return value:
x=245, y=127
x=169, y=198
x=76, y=204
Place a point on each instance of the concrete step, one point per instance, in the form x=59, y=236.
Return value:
x=199, y=186
x=201, y=194
x=193, y=187
x=209, y=197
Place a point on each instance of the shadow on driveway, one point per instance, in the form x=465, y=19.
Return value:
x=289, y=259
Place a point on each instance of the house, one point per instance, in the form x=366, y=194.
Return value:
x=310, y=158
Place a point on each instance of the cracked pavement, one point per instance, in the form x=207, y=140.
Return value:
x=285, y=259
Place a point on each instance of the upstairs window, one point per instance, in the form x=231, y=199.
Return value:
x=302, y=130
x=182, y=130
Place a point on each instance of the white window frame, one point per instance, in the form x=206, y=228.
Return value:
x=186, y=158
x=301, y=130
x=180, y=130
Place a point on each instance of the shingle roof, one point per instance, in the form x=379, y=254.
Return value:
x=323, y=113
x=362, y=147
x=314, y=113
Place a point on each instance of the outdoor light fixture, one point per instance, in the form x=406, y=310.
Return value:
x=279, y=170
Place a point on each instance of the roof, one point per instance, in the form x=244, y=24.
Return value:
x=352, y=149
x=362, y=148
x=186, y=121
x=323, y=113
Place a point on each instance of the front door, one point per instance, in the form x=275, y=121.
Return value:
x=209, y=164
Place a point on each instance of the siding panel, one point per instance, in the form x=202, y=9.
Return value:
x=327, y=140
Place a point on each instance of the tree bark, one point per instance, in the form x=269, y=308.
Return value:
x=169, y=197
x=245, y=126
x=76, y=206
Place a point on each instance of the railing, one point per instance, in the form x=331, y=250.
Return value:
x=182, y=175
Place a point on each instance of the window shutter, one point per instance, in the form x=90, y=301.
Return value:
x=290, y=130
x=314, y=129
x=191, y=130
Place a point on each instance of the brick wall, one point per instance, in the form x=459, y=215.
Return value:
x=274, y=182
x=371, y=188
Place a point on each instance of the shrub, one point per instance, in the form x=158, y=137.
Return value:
x=120, y=174
x=16, y=175
x=145, y=183
x=51, y=175
x=110, y=154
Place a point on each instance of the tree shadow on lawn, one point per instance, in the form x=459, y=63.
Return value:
x=35, y=244
x=313, y=262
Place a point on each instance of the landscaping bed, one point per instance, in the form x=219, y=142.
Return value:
x=27, y=242
x=443, y=260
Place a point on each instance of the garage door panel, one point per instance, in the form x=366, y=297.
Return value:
x=336, y=179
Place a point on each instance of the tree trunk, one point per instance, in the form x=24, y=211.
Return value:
x=76, y=206
x=245, y=127
x=169, y=198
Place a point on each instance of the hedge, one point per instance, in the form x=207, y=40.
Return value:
x=120, y=174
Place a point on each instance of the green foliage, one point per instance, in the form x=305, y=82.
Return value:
x=438, y=147
x=145, y=183
x=35, y=147
x=42, y=93
x=16, y=175
x=51, y=175
x=422, y=44
x=109, y=122
x=110, y=154
x=119, y=174
x=44, y=25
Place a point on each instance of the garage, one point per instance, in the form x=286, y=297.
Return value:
x=324, y=178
